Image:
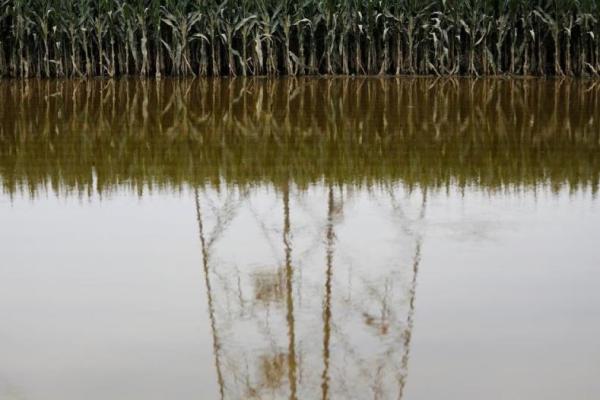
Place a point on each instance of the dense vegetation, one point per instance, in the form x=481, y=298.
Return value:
x=85, y=136
x=72, y=38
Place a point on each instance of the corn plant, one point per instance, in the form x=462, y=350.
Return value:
x=85, y=38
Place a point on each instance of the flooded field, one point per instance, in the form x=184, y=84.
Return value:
x=299, y=239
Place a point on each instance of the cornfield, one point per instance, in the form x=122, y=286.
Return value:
x=85, y=38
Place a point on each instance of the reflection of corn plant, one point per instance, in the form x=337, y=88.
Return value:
x=50, y=38
x=310, y=129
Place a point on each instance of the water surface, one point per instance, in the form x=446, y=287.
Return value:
x=299, y=239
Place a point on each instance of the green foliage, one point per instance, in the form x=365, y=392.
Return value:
x=54, y=38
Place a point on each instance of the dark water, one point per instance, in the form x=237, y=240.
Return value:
x=299, y=239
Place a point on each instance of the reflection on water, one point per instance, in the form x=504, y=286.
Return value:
x=296, y=312
x=491, y=133
x=316, y=207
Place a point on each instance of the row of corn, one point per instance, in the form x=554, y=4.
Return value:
x=86, y=38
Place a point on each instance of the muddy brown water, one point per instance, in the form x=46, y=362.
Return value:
x=299, y=239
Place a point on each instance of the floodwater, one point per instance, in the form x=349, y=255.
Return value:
x=299, y=239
